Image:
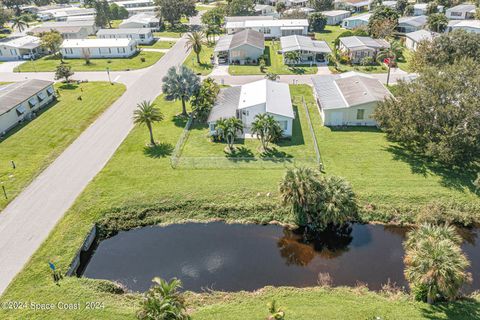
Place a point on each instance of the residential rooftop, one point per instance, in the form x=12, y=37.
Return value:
x=296, y=43
x=421, y=35
x=268, y=23
x=416, y=21
x=96, y=43
x=11, y=95
x=466, y=7
x=334, y=13
x=123, y=31
x=355, y=42
x=22, y=42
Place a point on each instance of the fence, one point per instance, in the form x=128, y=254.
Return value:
x=178, y=161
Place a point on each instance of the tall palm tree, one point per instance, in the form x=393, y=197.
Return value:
x=163, y=301
x=195, y=41
x=392, y=54
x=147, y=113
x=180, y=83
x=266, y=128
x=228, y=129
x=298, y=189
x=19, y=23
x=435, y=262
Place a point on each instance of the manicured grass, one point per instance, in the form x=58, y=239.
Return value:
x=49, y=63
x=300, y=145
x=158, y=45
x=329, y=34
x=365, y=69
x=205, y=66
x=37, y=143
x=116, y=23
x=404, y=62
x=274, y=64
x=169, y=34
x=139, y=187
x=200, y=7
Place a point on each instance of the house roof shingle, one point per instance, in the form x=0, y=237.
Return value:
x=12, y=95
x=296, y=43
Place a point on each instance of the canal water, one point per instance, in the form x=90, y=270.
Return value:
x=234, y=257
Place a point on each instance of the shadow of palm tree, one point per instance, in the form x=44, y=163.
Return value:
x=158, y=151
x=180, y=120
x=68, y=86
x=465, y=308
x=275, y=155
x=451, y=177
x=240, y=154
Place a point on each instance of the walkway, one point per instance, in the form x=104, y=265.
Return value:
x=26, y=222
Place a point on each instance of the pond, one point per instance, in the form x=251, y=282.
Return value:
x=234, y=257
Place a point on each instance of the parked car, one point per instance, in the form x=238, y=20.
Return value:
x=5, y=31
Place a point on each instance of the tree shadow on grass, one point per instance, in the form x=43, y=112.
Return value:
x=297, y=132
x=240, y=154
x=180, y=120
x=463, y=309
x=298, y=69
x=451, y=177
x=69, y=86
x=158, y=151
x=275, y=155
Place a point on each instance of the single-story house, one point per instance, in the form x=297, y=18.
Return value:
x=245, y=18
x=141, y=20
x=348, y=99
x=61, y=14
x=265, y=10
x=305, y=10
x=336, y=16
x=356, y=21
x=69, y=30
x=20, y=100
x=246, y=101
x=392, y=4
x=20, y=47
x=352, y=5
x=98, y=48
x=467, y=25
x=140, y=10
x=296, y=3
x=358, y=48
x=311, y=51
x=142, y=35
x=242, y=47
x=134, y=3
x=80, y=18
x=461, y=12
x=413, y=38
x=270, y=28
x=410, y=24
x=420, y=9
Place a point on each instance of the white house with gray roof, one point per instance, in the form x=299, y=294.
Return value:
x=357, y=48
x=142, y=35
x=467, y=25
x=242, y=47
x=420, y=9
x=270, y=28
x=98, y=48
x=20, y=101
x=348, y=99
x=461, y=12
x=311, y=51
x=141, y=20
x=356, y=21
x=411, y=24
x=336, y=16
x=69, y=30
x=412, y=39
x=18, y=48
x=246, y=101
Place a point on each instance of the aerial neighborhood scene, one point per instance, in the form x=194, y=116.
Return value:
x=240, y=159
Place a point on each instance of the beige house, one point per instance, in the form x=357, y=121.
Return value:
x=69, y=30
x=20, y=48
x=21, y=100
x=357, y=48
x=240, y=48
x=348, y=99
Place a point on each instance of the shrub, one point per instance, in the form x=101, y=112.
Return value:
x=142, y=59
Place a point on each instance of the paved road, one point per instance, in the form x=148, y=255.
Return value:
x=26, y=222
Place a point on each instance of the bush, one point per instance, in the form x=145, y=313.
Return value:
x=142, y=59
x=367, y=61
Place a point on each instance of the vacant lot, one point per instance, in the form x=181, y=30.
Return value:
x=274, y=64
x=37, y=143
x=49, y=63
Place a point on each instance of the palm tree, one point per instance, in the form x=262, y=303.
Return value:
x=195, y=41
x=272, y=76
x=147, y=113
x=435, y=262
x=163, y=301
x=180, y=83
x=227, y=129
x=298, y=189
x=392, y=54
x=266, y=128
x=292, y=56
x=19, y=23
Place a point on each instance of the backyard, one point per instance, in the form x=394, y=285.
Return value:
x=138, y=187
x=49, y=63
x=37, y=143
x=274, y=64
x=329, y=34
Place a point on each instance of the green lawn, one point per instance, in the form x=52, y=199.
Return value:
x=116, y=23
x=404, y=61
x=49, y=63
x=139, y=187
x=36, y=144
x=168, y=34
x=158, y=45
x=200, y=7
x=274, y=64
x=329, y=34
x=205, y=66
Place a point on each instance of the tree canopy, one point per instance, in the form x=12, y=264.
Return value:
x=437, y=115
x=437, y=22
x=321, y=5
x=382, y=22
x=180, y=83
x=173, y=10
x=317, y=21
x=241, y=8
